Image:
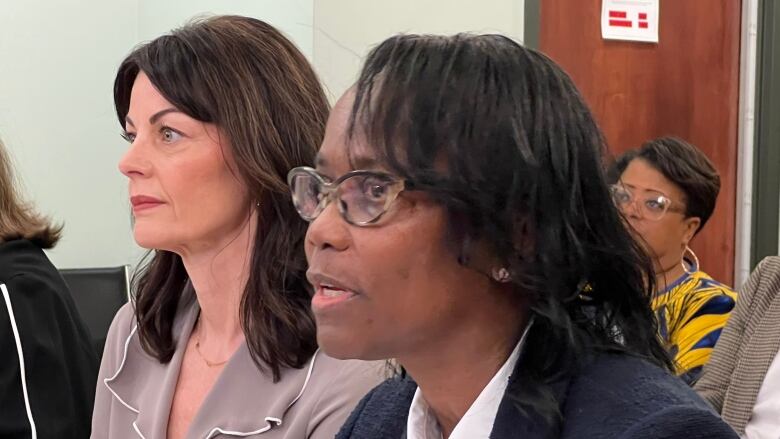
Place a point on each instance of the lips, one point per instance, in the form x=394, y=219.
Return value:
x=329, y=292
x=144, y=202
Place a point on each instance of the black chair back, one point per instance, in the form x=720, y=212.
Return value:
x=98, y=293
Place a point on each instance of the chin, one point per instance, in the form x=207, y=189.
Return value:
x=151, y=238
x=345, y=346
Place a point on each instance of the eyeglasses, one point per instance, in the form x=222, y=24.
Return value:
x=651, y=207
x=362, y=196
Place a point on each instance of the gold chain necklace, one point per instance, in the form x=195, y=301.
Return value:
x=200, y=354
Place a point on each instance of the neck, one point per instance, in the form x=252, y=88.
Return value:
x=667, y=273
x=219, y=274
x=453, y=371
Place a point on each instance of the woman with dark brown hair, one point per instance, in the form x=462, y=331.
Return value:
x=220, y=340
x=47, y=376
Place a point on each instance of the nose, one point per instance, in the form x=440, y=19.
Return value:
x=135, y=162
x=631, y=210
x=329, y=230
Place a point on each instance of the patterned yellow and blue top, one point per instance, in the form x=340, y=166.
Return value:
x=691, y=313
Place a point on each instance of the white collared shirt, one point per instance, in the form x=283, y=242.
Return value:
x=478, y=421
x=765, y=421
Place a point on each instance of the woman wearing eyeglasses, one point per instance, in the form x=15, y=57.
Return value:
x=461, y=223
x=667, y=191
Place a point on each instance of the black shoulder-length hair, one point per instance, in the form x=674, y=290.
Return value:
x=499, y=135
x=244, y=76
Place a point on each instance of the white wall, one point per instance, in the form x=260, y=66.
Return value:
x=293, y=17
x=57, y=65
x=345, y=30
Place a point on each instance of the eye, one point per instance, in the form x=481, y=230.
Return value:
x=129, y=137
x=656, y=204
x=313, y=190
x=375, y=188
x=621, y=196
x=169, y=135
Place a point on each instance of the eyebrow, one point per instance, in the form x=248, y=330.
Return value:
x=155, y=117
x=364, y=162
x=358, y=162
x=631, y=186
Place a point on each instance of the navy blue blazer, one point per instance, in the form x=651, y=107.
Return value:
x=614, y=396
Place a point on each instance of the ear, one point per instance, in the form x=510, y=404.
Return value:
x=691, y=226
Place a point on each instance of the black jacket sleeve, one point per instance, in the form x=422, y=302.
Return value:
x=60, y=365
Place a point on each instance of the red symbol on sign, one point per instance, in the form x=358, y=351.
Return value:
x=619, y=19
x=643, y=20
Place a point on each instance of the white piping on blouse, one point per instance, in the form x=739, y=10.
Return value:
x=18, y=340
x=119, y=370
x=271, y=421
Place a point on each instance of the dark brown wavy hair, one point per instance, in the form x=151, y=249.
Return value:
x=247, y=78
x=19, y=219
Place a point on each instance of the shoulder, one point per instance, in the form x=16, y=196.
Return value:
x=646, y=396
x=119, y=332
x=37, y=292
x=19, y=254
x=124, y=320
x=332, y=390
x=24, y=266
x=338, y=382
x=609, y=374
x=382, y=412
x=702, y=295
x=764, y=281
x=327, y=366
x=708, y=297
x=705, y=282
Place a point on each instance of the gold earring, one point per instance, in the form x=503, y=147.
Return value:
x=695, y=261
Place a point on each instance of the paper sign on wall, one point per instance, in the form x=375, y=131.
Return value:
x=630, y=20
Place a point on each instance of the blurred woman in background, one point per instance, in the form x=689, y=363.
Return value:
x=667, y=190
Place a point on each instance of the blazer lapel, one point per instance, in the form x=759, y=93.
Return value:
x=512, y=423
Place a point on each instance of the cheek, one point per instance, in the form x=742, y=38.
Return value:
x=663, y=236
x=204, y=182
x=405, y=280
x=204, y=197
x=411, y=275
x=650, y=232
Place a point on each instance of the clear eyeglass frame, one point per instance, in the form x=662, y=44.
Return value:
x=343, y=190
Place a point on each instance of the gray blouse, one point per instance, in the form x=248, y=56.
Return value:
x=135, y=391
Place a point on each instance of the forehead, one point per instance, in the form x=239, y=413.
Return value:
x=145, y=95
x=340, y=152
x=640, y=174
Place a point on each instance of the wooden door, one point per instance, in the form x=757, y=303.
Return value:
x=686, y=85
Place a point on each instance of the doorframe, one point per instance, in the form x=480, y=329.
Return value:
x=532, y=21
x=766, y=178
